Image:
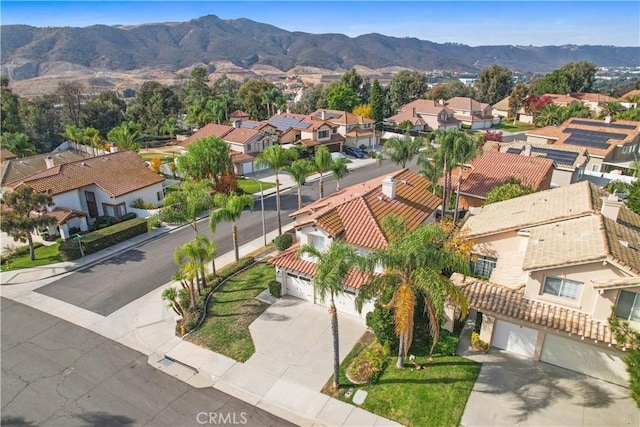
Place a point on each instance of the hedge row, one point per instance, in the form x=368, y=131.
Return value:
x=103, y=238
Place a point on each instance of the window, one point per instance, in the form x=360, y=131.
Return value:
x=115, y=211
x=561, y=288
x=483, y=266
x=160, y=195
x=323, y=134
x=317, y=242
x=628, y=306
x=334, y=130
x=595, y=168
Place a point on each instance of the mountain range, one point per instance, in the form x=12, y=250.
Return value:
x=31, y=52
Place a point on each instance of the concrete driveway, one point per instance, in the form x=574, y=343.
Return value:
x=512, y=390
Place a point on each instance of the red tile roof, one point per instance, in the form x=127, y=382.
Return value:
x=62, y=215
x=501, y=301
x=493, y=168
x=6, y=154
x=116, y=174
x=356, y=213
x=466, y=104
x=229, y=134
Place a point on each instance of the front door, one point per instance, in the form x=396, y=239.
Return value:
x=92, y=207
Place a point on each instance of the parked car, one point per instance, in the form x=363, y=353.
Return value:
x=354, y=152
x=336, y=156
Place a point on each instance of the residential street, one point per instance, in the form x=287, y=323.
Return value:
x=109, y=285
x=58, y=374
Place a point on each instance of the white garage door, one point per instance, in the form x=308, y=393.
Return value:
x=514, y=338
x=247, y=168
x=299, y=287
x=346, y=303
x=584, y=358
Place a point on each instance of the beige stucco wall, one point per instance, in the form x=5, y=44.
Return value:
x=533, y=139
x=589, y=301
x=509, y=249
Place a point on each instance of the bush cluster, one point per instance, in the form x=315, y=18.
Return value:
x=9, y=252
x=103, y=238
x=139, y=203
x=283, y=241
x=367, y=366
x=275, y=288
x=477, y=343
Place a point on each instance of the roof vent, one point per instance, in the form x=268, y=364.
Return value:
x=624, y=243
x=380, y=198
x=84, y=164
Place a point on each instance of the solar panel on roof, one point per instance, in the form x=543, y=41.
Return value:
x=603, y=124
x=283, y=123
x=595, y=134
x=558, y=156
x=512, y=150
x=587, y=142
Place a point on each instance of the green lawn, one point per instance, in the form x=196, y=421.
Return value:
x=508, y=126
x=162, y=156
x=44, y=255
x=433, y=396
x=250, y=186
x=231, y=310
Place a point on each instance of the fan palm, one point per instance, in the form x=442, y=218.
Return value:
x=320, y=164
x=413, y=264
x=276, y=158
x=299, y=170
x=229, y=208
x=195, y=254
x=402, y=150
x=611, y=109
x=92, y=136
x=549, y=115
x=17, y=143
x=332, y=268
x=339, y=170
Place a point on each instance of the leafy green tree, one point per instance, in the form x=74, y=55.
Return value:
x=558, y=81
x=185, y=205
x=197, y=88
x=632, y=114
x=321, y=163
x=342, y=98
x=229, y=208
x=358, y=84
x=402, y=150
x=312, y=99
x=628, y=339
x=17, y=219
x=17, y=143
x=276, y=158
x=125, y=136
x=225, y=87
x=376, y=100
x=41, y=122
x=206, y=159
x=450, y=90
x=339, y=170
x=582, y=75
x=517, y=100
x=250, y=95
x=406, y=86
x=103, y=112
x=9, y=108
x=493, y=84
x=154, y=103
x=633, y=201
x=72, y=98
x=509, y=190
x=413, y=263
x=299, y=171
x=332, y=268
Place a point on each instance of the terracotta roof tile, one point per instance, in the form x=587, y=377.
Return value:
x=6, y=155
x=19, y=168
x=62, y=215
x=498, y=300
x=116, y=174
x=466, y=104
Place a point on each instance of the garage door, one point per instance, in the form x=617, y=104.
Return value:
x=247, y=168
x=299, y=287
x=514, y=338
x=584, y=358
x=346, y=303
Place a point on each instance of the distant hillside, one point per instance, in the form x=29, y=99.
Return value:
x=30, y=52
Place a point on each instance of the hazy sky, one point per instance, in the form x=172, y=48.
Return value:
x=469, y=22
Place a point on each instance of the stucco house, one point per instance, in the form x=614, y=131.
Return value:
x=472, y=113
x=612, y=145
x=85, y=189
x=549, y=268
x=357, y=130
x=425, y=115
x=492, y=168
x=308, y=131
x=14, y=169
x=568, y=162
x=354, y=214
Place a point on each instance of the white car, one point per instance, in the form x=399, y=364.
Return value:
x=336, y=156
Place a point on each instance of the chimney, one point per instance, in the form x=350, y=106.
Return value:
x=113, y=148
x=611, y=206
x=607, y=119
x=389, y=187
x=322, y=114
x=49, y=162
x=236, y=123
x=279, y=111
x=288, y=109
x=413, y=112
x=441, y=101
x=527, y=150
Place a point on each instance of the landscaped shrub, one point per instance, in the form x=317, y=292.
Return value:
x=369, y=364
x=477, y=343
x=139, y=203
x=127, y=217
x=447, y=343
x=380, y=320
x=102, y=238
x=275, y=288
x=229, y=270
x=10, y=252
x=283, y=241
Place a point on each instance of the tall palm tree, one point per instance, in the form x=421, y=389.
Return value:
x=195, y=255
x=321, y=163
x=332, y=268
x=229, y=208
x=125, y=136
x=339, y=170
x=402, y=150
x=73, y=133
x=276, y=158
x=188, y=258
x=299, y=171
x=170, y=127
x=413, y=264
x=92, y=136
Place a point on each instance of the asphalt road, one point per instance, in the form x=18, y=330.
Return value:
x=55, y=373
x=109, y=285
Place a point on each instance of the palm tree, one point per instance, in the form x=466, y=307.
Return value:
x=185, y=205
x=549, y=115
x=276, y=158
x=73, y=133
x=92, y=136
x=188, y=257
x=229, y=208
x=17, y=143
x=171, y=296
x=195, y=255
x=575, y=109
x=611, y=109
x=339, y=170
x=413, y=264
x=320, y=164
x=299, y=171
x=402, y=150
x=125, y=136
x=170, y=127
x=332, y=268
